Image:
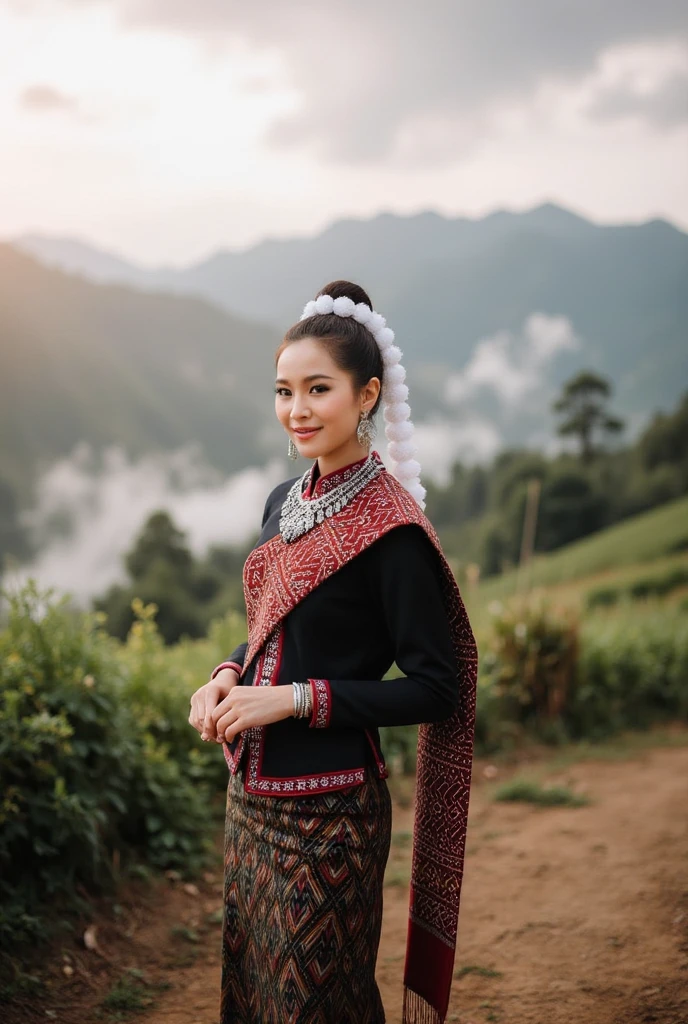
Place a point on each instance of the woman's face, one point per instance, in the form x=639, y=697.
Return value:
x=311, y=391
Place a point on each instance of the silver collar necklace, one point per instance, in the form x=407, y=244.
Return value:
x=301, y=514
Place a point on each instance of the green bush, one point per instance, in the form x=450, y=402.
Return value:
x=94, y=774
x=633, y=672
x=660, y=585
x=642, y=588
x=544, y=676
x=531, y=663
x=603, y=597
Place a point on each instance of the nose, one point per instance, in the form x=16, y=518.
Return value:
x=300, y=408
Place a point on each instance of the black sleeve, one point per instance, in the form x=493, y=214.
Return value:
x=407, y=580
x=238, y=654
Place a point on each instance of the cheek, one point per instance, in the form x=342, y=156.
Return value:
x=336, y=407
x=281, y=410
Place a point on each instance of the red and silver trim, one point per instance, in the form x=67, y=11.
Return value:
x=322, y=703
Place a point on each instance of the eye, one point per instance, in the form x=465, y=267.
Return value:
x=278, y=391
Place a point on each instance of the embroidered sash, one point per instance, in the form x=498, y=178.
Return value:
x=277, y=576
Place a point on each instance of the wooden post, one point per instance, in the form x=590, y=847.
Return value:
x=528, y=535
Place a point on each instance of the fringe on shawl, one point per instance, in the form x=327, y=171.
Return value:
x=417, y=1010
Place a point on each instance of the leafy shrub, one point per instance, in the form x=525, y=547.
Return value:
x=656, y=585
x=531, y=663
x=633, y=672
x=603, y=597
x=91, y=774
x=660, y=585
x=548, y=677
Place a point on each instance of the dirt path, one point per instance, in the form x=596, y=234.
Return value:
x=569, y=915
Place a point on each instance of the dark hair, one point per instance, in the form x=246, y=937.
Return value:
x=351, y=345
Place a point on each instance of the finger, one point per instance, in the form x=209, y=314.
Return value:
x=195, y=717
x=209, y=719
x=229, y=719
x=222, y=708
x=233, y=731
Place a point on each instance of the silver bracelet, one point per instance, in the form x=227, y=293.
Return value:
x=303, y=700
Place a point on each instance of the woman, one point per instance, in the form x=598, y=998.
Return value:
x=347, y=577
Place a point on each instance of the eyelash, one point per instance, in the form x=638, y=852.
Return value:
x=277, y=390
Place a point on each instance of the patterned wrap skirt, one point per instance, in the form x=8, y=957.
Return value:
x=303, y=905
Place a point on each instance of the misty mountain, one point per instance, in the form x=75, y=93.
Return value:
x=112, y=365
x=446, y=283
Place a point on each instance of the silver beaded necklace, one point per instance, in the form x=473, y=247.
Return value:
x=301, y=514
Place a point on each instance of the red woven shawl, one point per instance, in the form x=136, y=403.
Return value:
x=277, y=576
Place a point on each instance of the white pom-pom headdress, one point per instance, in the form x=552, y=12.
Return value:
x=396, y=410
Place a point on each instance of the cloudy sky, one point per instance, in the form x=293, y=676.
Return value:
x=164, y=129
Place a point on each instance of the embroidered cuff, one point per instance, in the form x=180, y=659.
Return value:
x=322, y=703
x=226, y=664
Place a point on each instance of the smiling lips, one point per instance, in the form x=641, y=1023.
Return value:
x=306, y=433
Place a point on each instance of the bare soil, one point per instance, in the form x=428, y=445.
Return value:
x=569, y=915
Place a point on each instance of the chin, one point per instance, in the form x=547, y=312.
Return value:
x=312, y=449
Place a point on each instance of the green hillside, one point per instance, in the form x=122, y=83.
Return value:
x=108, y=364
x=661, y=534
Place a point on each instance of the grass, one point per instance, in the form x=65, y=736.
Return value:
x=482, y=972
x=131, y=994
x=531, y=792
x=187, y=934
x=653, y=535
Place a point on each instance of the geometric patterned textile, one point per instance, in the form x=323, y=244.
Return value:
x=303, y=905
x=277, y=575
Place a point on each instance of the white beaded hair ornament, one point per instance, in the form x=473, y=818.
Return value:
x=396, y=410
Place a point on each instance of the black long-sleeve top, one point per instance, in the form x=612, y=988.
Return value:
x=382, y=607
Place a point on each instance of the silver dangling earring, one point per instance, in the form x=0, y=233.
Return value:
x=366, y=430
x=292, y=450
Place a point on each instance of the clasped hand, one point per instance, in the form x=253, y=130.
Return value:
x=221, y=709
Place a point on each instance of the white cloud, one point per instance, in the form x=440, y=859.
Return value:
x=221, y=132
x=89, y=510
x=513, y=367
x=440, y=60
x=442, y=442
x=648, y=83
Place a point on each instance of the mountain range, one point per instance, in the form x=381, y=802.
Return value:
x=94, y=347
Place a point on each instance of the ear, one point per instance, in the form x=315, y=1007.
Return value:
x=370, y=393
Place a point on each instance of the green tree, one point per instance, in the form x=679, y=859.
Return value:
x=160, y=540
x=583, y=406
x=162, y=572
x=570, y=508
x=665, y=441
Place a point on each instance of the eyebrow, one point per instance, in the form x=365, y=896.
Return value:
x=312, y=376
